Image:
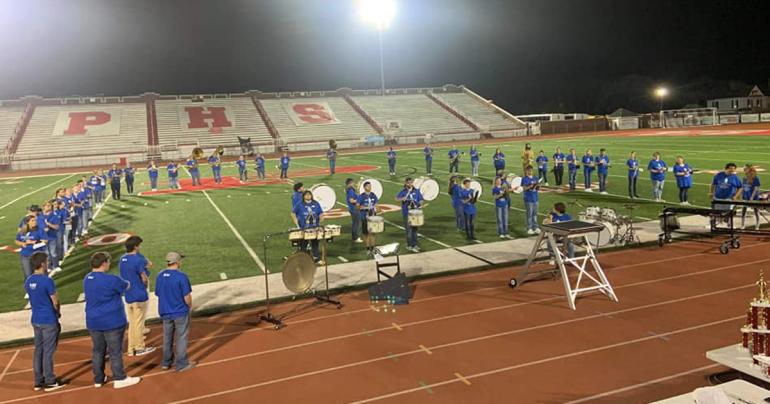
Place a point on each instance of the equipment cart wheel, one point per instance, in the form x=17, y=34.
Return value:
x=735, y=243
x=513, y=283
x=661, y=241
x=724, y=248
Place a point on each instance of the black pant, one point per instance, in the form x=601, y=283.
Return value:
x=469, y=226
x=130, y=186
x=74, y=221
x=314, y=248
x=543, y=174
x=632, y=187
x=454, y=166
x=558, y=174
x=683, y=194
x=115, y=187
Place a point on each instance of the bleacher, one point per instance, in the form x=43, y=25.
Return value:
x=40, y=142
x=415, y=113
x=351, y=124
x=483, y=115
x=173, y=131
x=9, y=118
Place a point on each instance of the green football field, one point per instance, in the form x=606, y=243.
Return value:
x=205, y=225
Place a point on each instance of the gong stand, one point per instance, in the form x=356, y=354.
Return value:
x=326, y=297
x=267, y=316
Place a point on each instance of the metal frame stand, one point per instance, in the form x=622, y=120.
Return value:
x=267, y=316
x=326, y=298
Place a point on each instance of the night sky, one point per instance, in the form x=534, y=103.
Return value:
x=527, y=55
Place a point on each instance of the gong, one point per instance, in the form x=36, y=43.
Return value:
x=299, y=272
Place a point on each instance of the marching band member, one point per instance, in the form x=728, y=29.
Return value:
x=498, y=159
x=558, y=166
x=173, y=175
x=129, y=174
x=527, y=157
x=367, y=205
x=94, y=181
x=502, y=204
x=725, y=186
x=61, y=239
x=559, y=214
x=750, y=193
x=657, y=169
x=602, y=169
x=542, y=166
x=469, y=208
x=588, y=168
x=428, y=152
x=331, y=155
x=259, y=162
x=192, y=166
x=52, y=222
x=114, y=175
x=307, y=215
x=285, y=159
x=102, y=185
x=683, y=174
x=351, y=199
x=633, y=174
x=573, y=163
x=474, y=153
x=410, y=198
x=216, y=167
x=243, y=172
x=531, y=184
x=454, y=160
x=30, y=238
x=391, y=161
x=152, y=172
x=296, y=197
x=455, y=191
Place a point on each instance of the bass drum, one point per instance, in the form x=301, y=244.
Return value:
x=476, y=187
x=606, y=236
x=515, y=184
x=428, y=188
x=325, y=196
x=376, y=187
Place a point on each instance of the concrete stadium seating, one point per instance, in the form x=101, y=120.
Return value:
x=9, y=118
x=416, y=113
x=480, y=114
x=351, y=124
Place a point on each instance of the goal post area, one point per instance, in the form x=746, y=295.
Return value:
x=677, y=118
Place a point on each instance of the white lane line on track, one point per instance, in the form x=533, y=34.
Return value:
x=37, y=190
x=8, y=365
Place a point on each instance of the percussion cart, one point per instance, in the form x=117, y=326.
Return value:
x=669, y=223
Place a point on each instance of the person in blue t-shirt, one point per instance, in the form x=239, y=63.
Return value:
x=95, y=182
x=194, y=170
x=454, y=160
x=351, y=200
x=559, y=214
x=216, y=167
x=61, y=239
x=30, y=238
x=284, y=164
x=174, y=291
x=455, y=191
x=498, y=160
x=106, y=320
x=502, y=204
x=44, y=303
x=152, y=172
x=683, y=174
x=296, y=196
x=308, y=214
x=657, y=169
x=726, y=186
x=531, y=185
x=542, y=166
x=602, y=169
x=428, y=153
x=391, y=155
x=558, y=166
x=129, y=172
x=573, y=163
x=410, y=198
x=331, y=155
x=469, y=197
x=367, y=206
x=750, y=193
x=114, y=174
x=589, y=164
x=102, y=185
x=632, y=164
x=51, y=224
x=243, y=172
x=475, y=160
x=173, y=175
x=259, y=163
x=133, y=268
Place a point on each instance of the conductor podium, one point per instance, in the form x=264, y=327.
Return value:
x=570, y=233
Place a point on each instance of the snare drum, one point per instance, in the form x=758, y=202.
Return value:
x=332, y=230
x=609, y=215
x=375, y=224
x=325, y=196
x=594, y=212
x=416, y=218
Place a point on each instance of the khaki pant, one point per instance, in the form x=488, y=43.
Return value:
x=137, y=312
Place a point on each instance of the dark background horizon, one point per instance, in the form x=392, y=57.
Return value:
x=528, y=56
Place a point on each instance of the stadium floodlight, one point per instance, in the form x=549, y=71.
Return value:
x=661, y=92
x=379, y=14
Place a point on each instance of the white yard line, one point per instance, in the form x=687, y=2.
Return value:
x=38, y=190
x=343, y=259
x=240, y=238
x=222, y=276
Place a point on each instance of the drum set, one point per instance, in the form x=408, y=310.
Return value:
x=618, y=229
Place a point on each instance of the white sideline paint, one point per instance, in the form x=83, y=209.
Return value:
x=343, y=259
x=222, y=276
x=240, y=238
x=81, y=297
x=37, y=190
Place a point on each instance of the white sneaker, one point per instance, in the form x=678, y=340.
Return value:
x=26, y=296
x=358, y=240
x=99, y=385
x=502, y=236
x=537, y=231
x=588, y=190
x=603, y=192
x=127, y=382
x=530, y=232
x=546, y=184
x=142, y=352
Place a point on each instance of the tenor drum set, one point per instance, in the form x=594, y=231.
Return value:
x=617, y=229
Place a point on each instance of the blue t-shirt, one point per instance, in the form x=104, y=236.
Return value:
x=34, y=235
x=391, y=155
x=453, y=153
x=684, y=180
x=54, y=219
x=192, y=165
x=474, y=154
x=350, y=194
x=129, y=172
x=214, y=161
x=368, y=203
x=93, y=181
x=152, y=171
x=413, y=200
x=63, y=214
x=726, y=185
x=633, y=167
x=172, y=170
x=748, y=189
x=171, y=287
x=501, y=202
x=530, y=195
x=457, y=200
x=131, y=268
x=572, y=162
x=542, y=163
x=558, y=159
x=260, y=162
x=40, y=288
x=285, y=161
x=308, y=214
x=587, y=160
x=564, y=217
x=331, y=154
x=296, y=198
x=499, y=161
x=655, y=165
x=603, y=164
x=241, y=165
x=104, y=304
x=428, y=152
x=468, y=207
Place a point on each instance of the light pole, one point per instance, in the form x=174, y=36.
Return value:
x=379, y=14
x=661, y=92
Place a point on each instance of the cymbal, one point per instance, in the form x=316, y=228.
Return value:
x=299, y=272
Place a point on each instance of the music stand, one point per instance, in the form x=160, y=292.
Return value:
x=568, y=231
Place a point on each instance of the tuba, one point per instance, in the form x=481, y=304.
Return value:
x=197, y=153
x=220, y=150
x=333, y=144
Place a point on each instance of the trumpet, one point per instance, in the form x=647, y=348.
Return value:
x=220, y=150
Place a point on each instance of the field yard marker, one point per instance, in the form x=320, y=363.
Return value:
x=644, y=218
x=424, y=348
x=463, y=379
x=396, y=326
x=8, y=365
x=343, y=259
x=81, y=297
x=235, y=232
x=37, y=190
x=222, y=276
